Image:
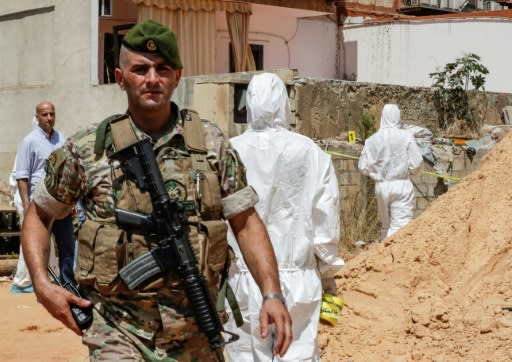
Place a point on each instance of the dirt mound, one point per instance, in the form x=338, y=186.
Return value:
x=437, y=288
x=29, y=333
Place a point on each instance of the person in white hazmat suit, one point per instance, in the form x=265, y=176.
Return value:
x=390, y=157
x=299, y=204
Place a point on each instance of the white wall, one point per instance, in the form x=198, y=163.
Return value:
x=291, y=38
x=47, y=56
x=406, y=52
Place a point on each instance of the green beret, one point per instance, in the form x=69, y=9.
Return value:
x=152, y=37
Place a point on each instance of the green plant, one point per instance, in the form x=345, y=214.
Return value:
x=451, y=86
x=366, y=126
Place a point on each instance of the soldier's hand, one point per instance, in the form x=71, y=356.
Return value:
x=274, y=311
x=57, y=301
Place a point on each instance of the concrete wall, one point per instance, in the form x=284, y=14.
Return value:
x=405, y=52
x=46, y=49
x=329, y=108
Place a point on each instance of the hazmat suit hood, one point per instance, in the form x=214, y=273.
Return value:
x=390, y=117
x=267, y=107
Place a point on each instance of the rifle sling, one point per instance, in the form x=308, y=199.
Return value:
x=226, y=292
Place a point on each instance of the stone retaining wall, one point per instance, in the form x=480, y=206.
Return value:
x=328, y=108
x=427, y=186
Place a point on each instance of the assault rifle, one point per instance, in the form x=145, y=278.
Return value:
x=168, y=224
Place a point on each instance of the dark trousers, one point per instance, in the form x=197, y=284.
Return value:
x=65, y=240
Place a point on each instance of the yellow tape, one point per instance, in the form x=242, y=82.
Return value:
x=428, y=173
x=342, y=155
x=451, y=178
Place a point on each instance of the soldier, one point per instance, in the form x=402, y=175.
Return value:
x=156, y=321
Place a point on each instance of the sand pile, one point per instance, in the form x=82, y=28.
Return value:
x=435, y=291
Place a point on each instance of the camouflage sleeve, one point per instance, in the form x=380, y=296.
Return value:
x=64, y=183
x=237, y=196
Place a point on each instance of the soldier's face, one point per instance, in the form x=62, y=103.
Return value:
x=147, y=79
x=45, y=115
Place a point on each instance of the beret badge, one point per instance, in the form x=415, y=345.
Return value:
x=151, y=45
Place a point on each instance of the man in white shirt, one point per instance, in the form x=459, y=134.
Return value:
x=30, y=169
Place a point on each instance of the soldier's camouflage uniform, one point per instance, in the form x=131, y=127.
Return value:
x=157, y=323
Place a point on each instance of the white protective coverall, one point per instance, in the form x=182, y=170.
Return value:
x=389, y=157
x=299, y=204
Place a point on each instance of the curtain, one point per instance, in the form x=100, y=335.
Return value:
x=193, y=21
x=251, y=64
x=195, y=5
x=195, y=32
x=238, y=27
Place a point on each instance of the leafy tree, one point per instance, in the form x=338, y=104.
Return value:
x=451, y=86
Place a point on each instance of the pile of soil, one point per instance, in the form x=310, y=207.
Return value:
x=439, y=288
